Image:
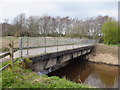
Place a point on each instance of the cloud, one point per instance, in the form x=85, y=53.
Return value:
x=10, y=10
x=85, y=10
x=109, y=12
x=74, y=9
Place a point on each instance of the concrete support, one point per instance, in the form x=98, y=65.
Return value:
x=39, y=66
x=51, y=63
x=66, y=58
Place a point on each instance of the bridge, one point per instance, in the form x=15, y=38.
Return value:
x=48, y=54
x=49, y=57
x=53, y=61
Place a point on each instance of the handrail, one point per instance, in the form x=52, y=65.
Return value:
x=7, y=53
x=7, y=66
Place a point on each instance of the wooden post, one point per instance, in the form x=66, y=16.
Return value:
x=11, y=55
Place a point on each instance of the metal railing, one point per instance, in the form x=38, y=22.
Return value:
x=46, y=42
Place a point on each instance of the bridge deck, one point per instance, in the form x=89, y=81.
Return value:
x=37, y=51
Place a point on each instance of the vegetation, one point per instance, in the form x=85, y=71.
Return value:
x=110, y=32
x=5, y=63
x=54, y=26
x=103, y=28
x=4, y=49
x=26, y=78
x=113, y=44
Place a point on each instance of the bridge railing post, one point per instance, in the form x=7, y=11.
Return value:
x=66, y=43
x=73, y=42
x=57, y=44
x=27, y=46
x=21, y=52
x=45, y=44
x=78, y=42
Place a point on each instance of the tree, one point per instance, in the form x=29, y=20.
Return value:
x=110, y=32
x=55, y=26
x=19, y=24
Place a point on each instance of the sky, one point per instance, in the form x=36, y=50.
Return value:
x=82, y=9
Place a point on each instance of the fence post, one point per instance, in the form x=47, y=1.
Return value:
x=45, y=45
x=27, y=45
x=11, y=44
x=57, y=44
x=21, y=52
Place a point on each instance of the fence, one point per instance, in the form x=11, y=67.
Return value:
x=46, y=42
x=10, y=52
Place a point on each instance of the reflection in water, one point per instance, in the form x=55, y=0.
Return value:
x=97, y=75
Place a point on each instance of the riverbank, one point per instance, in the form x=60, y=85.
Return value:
x=105, y=54
x=26, y=78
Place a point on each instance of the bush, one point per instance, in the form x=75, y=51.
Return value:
x=110, y=32
x=24, y=33
x=16, y=34
x=101, y=40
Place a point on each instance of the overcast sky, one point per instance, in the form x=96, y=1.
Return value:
x=72, y=8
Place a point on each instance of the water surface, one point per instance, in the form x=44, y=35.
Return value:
x=97, y=75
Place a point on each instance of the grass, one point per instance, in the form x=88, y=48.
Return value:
x=26, y=78
x=5, y=63
x=113, y=44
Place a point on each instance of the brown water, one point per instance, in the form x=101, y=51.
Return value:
x=97, y=75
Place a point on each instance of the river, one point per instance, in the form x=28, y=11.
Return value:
x=88, y=73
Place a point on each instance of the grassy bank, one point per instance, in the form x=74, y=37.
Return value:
x=26, y=78
x=113, y=45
